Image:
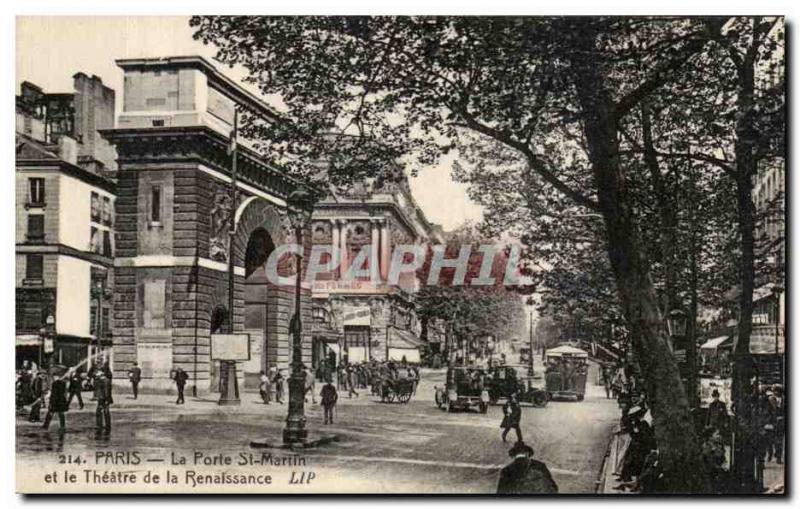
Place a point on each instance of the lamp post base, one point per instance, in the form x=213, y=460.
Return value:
x=295, y=432
x=229, y=395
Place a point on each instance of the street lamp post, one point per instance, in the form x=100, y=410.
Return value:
x=299, y=208
x=676, y=327
x=776, y=290
x=47, y=347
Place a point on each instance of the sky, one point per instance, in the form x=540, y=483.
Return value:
x=50, y=50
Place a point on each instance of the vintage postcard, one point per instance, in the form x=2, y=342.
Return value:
x=400, y=255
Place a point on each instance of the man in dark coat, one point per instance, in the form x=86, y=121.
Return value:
x=329, y=397
x=512, y=415
x=717, y=414
x=102, y=394
x=525, y=475
x=278, y=382
x=135, y=376
x=181, y=377
x=57, y=403
x=39, y=389
x=75, y=388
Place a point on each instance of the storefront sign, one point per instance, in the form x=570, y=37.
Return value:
x=357, y=315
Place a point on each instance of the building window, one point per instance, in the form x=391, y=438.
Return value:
x=34, y=267
x=96, y=241
x=107, y=210
x=106, y=323
x=35, y=227
x=357, y=335
x=107, y=244
x=96, y=206
x=36, y=196
x=320, y=315
x=155, y=206
x=93, y=317
x=154, y=305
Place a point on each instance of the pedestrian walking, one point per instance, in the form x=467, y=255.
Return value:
x=778, y=418
x=328, y=397
x=135, y=376
x=525, y=475
x=278, y=381
x=39, y=389
x=76, y=388
x=26, y=383
x=181, y=377
x=57, y=403
x=264, y=387
x=310, y=386
x=512, y=415
x=351, y=382
x=102, y=394
x=717, y=417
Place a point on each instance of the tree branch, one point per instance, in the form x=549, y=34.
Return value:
x=534, y=162
x=658, y=77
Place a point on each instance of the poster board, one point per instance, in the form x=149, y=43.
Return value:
x=230, y=347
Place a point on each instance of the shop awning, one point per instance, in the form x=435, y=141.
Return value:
x=399, y=338
x=566, y=350
x=29, y=340
x=714, y=343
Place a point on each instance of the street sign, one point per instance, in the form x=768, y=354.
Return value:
x=48, y=345
x=230, y=347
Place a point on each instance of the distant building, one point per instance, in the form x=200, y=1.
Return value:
x=368, y=317
x=64, y=222
x=769, y=296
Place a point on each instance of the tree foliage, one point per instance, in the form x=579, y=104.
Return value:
x=650, y=124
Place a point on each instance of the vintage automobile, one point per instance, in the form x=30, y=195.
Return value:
x=505, y=380
x=565, y=374
x=464, y=388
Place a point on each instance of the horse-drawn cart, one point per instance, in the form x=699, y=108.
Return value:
x=400, y=389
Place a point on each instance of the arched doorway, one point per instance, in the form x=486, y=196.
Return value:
x=259, y=303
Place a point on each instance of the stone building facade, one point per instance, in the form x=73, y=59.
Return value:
x=173, y=207
x=368, y=317
x=64, y=223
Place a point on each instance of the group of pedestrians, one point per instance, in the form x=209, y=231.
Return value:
x=55, y=389
x=771, y=422
x=274, y=380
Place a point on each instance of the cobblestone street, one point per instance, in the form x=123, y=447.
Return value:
x=379, y=447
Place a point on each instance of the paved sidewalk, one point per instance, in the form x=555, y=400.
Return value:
x=607, y=480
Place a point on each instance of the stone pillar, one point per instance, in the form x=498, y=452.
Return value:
x=374, y=274
x=335, y=245
x=386, y=252
x=345, y=258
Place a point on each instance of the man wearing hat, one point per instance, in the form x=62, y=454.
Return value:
x=57, y=403
x=717, y=413
x=135, y=377
x=525, y=475
x=512, y=414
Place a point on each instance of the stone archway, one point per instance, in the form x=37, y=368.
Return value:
x=260, y=229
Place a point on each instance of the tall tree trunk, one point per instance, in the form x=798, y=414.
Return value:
x=678, y=448
x=667, y=212
x=746, y=442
